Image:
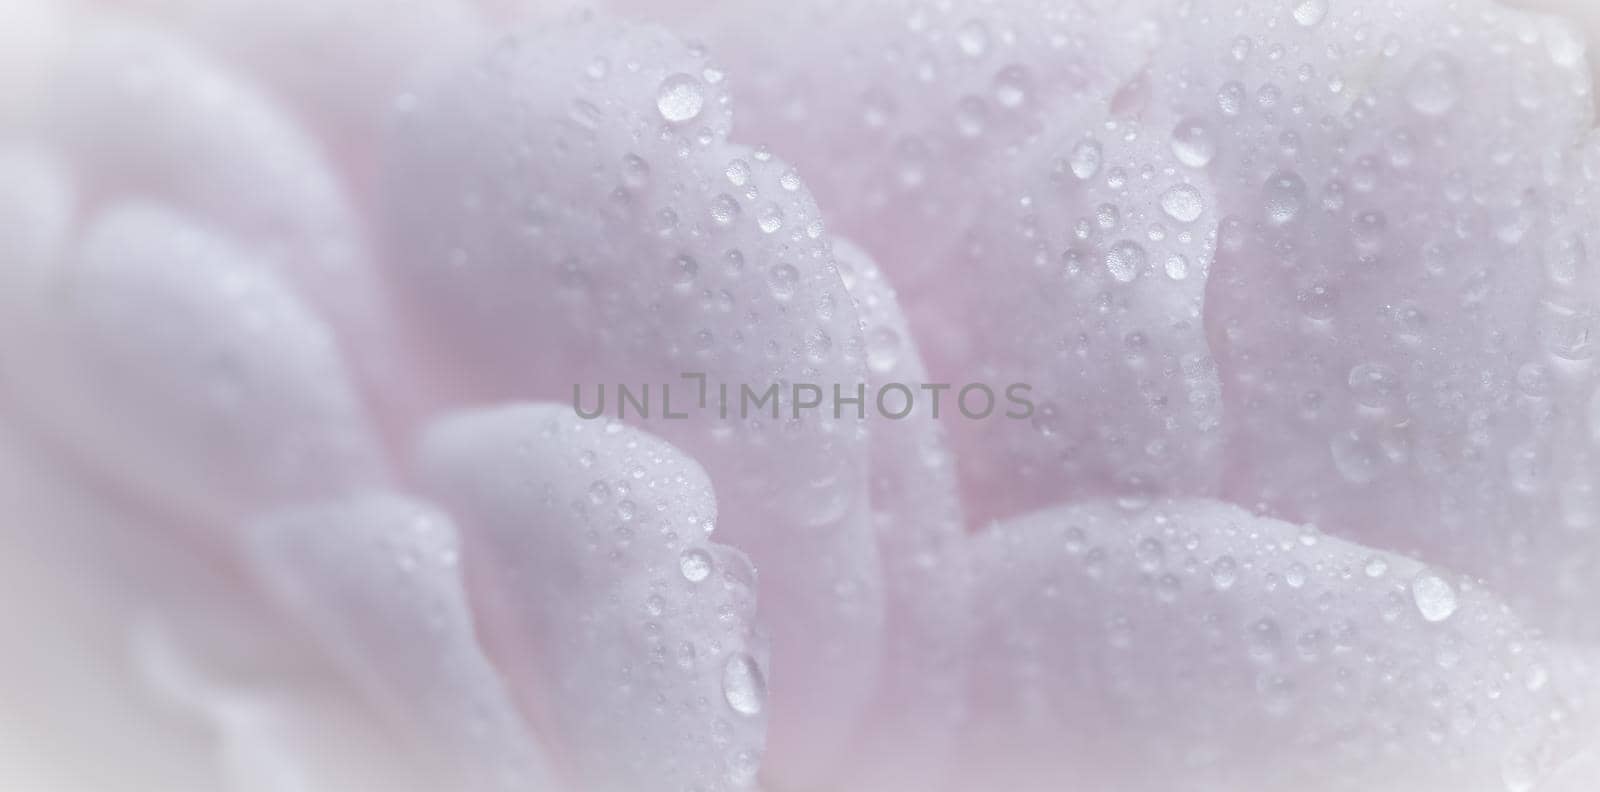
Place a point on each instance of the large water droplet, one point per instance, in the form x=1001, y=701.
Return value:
x=1435, y=597
x=1284, y=197
x=743, y=686
x=1085, y=159
x=1310, y=12
x=695, y=565
x=1182, y=203
x=1125, y=260
x=1192, y=143
x=770, y=218
x=680, y=99
x=724, y=209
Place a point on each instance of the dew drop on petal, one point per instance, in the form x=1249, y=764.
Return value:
x=1284, y=197
x=695, y=565
x=724, y=209
x=770, y=219
x=1224, y=573
x=1308, y=13
x=1085, y=159
x=1192, y=143
x=973, y=38
x=1434, y=596
x=1125, y=260
x=1373, y=384
x=1182, y=203
x=680, y=99
x=743, y=686
x=1011, y=87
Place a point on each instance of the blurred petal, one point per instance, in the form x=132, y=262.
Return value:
x=1192, y=644
x=189, y=345
x=628, y=636
x=377, y=580
x=912, y=722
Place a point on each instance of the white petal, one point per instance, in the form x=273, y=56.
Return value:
x=1192, y=644
x=628, y=635
x=378, y=581
x=570, y=215
x=202, y=376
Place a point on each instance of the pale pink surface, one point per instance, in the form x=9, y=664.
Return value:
x=294, y=295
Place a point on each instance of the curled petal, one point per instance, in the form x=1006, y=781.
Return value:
x=568, y=212
x=629, y=636
x=377, y=580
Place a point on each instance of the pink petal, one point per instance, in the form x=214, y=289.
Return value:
x=187, y=344
x=1402, y=301
x=917, y=709
x=569, y=214
x=377, y=580
x=628, y=635
x=1192, y=644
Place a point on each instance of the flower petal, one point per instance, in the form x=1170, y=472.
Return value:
x=916, y=711
x=569, y=213
x=1193, y=644
x=628, y=635
x=187, y=344
x=969, y=147
x=377, y=580
x=1402, y=302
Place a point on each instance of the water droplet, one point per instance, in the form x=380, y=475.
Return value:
x=1284, y=197
x=782, y=280
x=1308, y=13
x=1376, y=567
x=1192, y=143
x=1434, y=596
x=1318, y=302
x=695, y=565
x=1182, y=203
x=1567, y=331
x=1125, y=260
x=743, y=686
x=973, y=38
x=1224, y=573
x=680, y=99
x=818, y=344
x=1085, y=159
x=738, y=173
x=1435, y=85
x=1230, y=98
x=1296, y=575
x=770, y=218
x=1150, y=554
x=1011, y=87
x=724, y=210
x=1373, y=384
